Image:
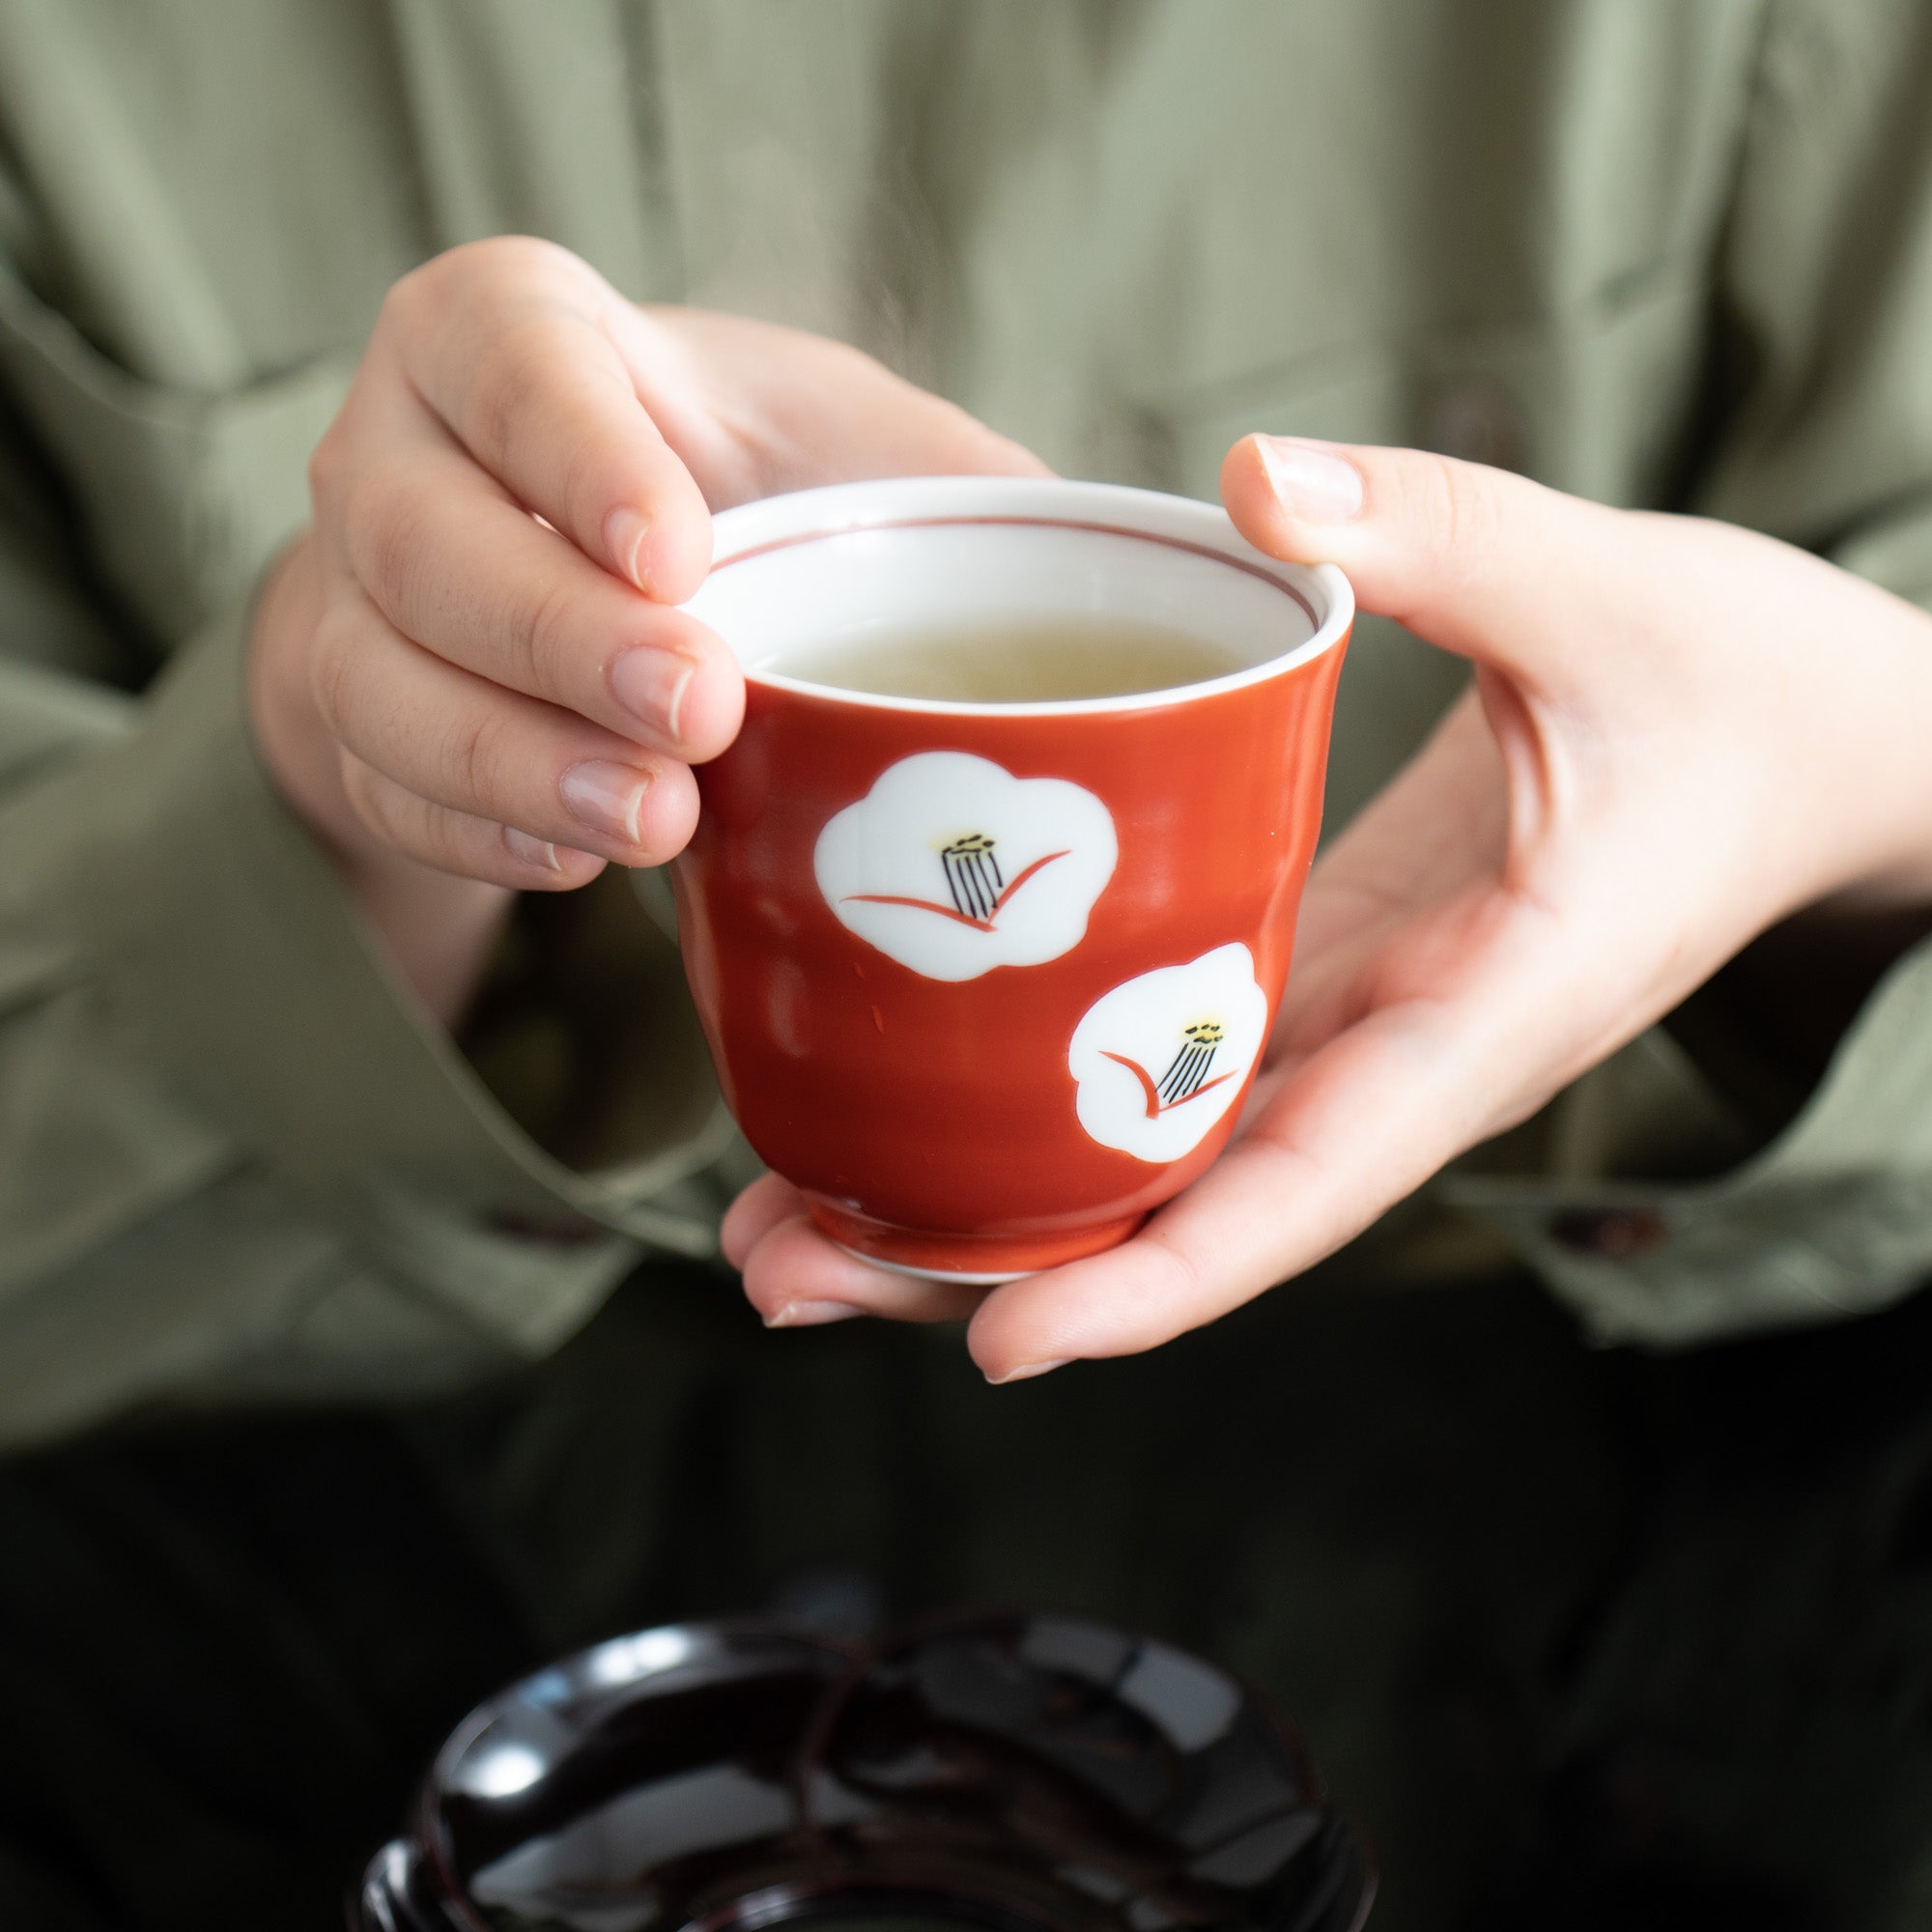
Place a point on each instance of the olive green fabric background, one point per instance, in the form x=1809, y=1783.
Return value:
x=1655, y=252
x=1588, y=1637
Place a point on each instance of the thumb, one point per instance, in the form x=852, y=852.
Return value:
x=1478, y=562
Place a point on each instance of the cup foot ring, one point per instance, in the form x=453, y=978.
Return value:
x=980, y=1260
x=956, y=1277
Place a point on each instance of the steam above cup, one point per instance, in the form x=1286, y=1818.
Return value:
x=989, y=982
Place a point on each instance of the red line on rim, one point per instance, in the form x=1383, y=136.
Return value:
x=1208, y=550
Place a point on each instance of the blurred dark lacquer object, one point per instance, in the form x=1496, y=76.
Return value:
x=1005, y=1773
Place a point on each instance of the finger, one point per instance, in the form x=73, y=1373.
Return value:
x=793, y=1273
x=454, y=842
x=827, y=413
x=458, y=741
x=1477, y=561
x=1438, y=826
x=457, y=566
x=508, y=343
x=802, y=1274
x=758, y=1209
x=1362, y=1124
x=1439, y=823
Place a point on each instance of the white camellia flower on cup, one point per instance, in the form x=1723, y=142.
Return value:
x=953, y=865
x=1161, y=1058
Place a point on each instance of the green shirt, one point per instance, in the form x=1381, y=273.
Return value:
x=1649, y=251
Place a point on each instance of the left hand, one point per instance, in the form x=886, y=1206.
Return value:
x=468, y=677
x=1681, y=734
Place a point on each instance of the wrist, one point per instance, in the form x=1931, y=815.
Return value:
x=1885, y=783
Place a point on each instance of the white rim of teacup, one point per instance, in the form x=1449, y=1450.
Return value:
x=1103, y=509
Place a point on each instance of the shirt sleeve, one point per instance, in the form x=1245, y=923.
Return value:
x=237, y=1160
x=1821, y=434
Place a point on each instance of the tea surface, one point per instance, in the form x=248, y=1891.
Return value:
x=1018, y=662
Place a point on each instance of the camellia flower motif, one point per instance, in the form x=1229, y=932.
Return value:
x=952, y=866
x=1160, y=1058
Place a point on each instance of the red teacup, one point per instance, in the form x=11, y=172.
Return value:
x=989, y=982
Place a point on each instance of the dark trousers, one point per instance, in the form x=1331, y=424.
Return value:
x=1584, y=1639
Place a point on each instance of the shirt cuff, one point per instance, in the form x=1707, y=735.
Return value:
x=1832, y=1219
x=234, y=958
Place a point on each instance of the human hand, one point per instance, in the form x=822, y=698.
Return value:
x=1680, y=733
x=470, y=677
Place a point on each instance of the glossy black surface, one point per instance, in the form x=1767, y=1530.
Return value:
x=1021, y=1773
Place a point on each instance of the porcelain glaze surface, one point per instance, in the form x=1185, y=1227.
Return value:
x=990, y=982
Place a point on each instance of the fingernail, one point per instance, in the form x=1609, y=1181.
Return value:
x=811, y=1314
x=607, y=798
x=650, y=685
x=531, y=851
x=1311, y=482
x=1025, y=1372
x=624, y=534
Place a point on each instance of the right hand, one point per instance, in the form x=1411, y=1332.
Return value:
x=1680, y=735
x=470, y=677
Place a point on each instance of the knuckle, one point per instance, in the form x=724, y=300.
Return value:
x=1454, y=512
x=386, y=527
x=328, y=466
x=446, y=840
x=525, y=258
x=417, y=826
x=541, y=641
x=596, y=472
x=1181, y=1284
x=372, y=799
x=331, y=668
x=584, y=473
x=476, y=760
x=412, y=302
x=515, y=257
x=453, y=282
x=510, y=364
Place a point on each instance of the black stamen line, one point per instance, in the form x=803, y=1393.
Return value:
x=1176, y=1071
x=1187, y=1075
x=973, y=876
x=959, y=879
x=987, y=896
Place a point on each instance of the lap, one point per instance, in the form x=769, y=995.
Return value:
x=1561, y=1626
